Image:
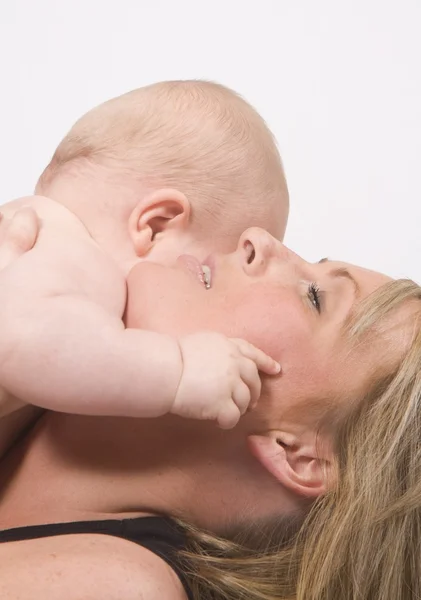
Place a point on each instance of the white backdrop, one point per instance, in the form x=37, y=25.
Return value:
x=338, y=81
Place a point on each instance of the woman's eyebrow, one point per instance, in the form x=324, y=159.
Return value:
x=342, y=272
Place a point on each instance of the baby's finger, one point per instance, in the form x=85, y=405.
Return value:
x=264, y=363
x=242, y=396
x=229, y=416
x=250, y=376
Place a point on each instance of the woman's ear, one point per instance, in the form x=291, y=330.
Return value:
x=293, y=462
x=157, y=213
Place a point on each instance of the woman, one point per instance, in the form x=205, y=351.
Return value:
x=331, y=452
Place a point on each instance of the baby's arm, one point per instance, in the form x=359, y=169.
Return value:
x=69, y=354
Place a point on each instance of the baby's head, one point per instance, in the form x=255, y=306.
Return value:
x=188, y=163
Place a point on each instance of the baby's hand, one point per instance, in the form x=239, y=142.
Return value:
x=220, y=378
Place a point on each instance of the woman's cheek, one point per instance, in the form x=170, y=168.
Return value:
x=274, y=326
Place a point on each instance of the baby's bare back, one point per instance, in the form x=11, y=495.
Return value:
x=65, y=260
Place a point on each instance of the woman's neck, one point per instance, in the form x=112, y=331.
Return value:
x=80, y=468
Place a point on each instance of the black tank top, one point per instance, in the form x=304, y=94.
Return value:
x=160, y=535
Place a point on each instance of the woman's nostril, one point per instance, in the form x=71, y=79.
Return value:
x=250, y=251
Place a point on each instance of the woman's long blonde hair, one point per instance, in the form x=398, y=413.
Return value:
x=362, y=540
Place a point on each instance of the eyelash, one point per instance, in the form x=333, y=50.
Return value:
x=314, y=296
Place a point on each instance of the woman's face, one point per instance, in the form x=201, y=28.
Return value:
x=266, y=294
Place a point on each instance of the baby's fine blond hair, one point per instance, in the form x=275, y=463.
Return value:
x=198, y=137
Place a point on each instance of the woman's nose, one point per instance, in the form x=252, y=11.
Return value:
x=257, y=248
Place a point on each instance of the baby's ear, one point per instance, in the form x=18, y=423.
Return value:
x=293, y=462
x=157, y=213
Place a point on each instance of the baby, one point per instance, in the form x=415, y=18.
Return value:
x=169, y=172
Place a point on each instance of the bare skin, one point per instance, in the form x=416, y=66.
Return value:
x=17, y=236
x=76, y=468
